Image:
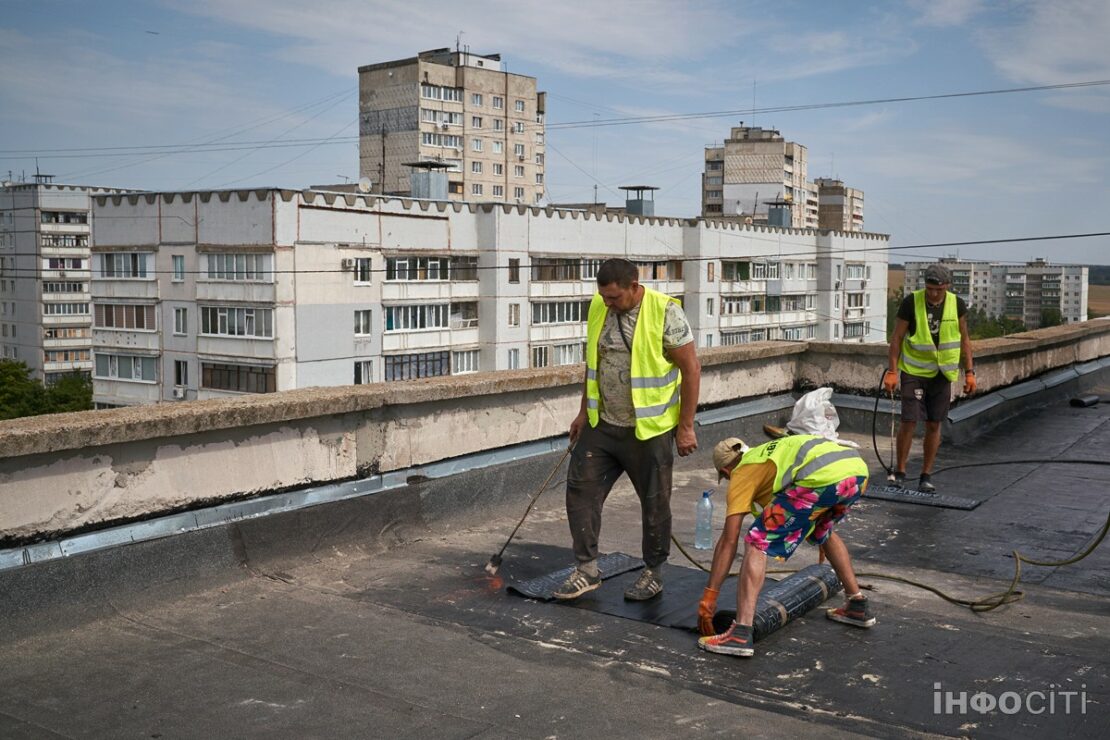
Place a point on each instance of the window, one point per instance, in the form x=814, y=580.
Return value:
x=178, y=268
x=539, y=158
x=476, y=168
x=518, y=150
x=519, y=106
x=498, y=191
x=62, y=287
x=514, y=314
x=450, y=141
x=476, y=189
x=513, y=359
x=476, y=122
x=560, y=312
x=64, y=240
x=518, y=193
x=590, y=268
x=362, y=271
x=123, y=265
x=710, y=271
x=475, y=98
x=362, y=323
x=518, y=170
x=241, y=378
x=126, y=367
x=229, y=321
x=836, y=300
x=62, y=309
x=63, y=332
x=180, y=372
x=765, y=271
x=437, y=92
x=415, y=318
x=464, y=362
x=733, y=271
x=854, y=271
x=709, y=306
x=464, y=315
x=364, y=372
x=65, y=217
x=539, y=178
x=180, y=321
x=498, y=125
x=240, y=267
x=714, y=180
x=567, y=354
x=708, y=340
x=498, y=168
x=498, y=102
x=518, y=127
x=551, y=269
x=854, y=300
x=713, y=194
x=431, y=268
x=476, y=145
x=66, y=355
x=539, y=356
x=417, y=365
x=514, y=270
x=714, y=166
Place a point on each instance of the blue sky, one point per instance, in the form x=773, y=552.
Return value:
x=116, y=74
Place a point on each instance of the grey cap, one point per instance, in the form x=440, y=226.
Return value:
x=937, y=275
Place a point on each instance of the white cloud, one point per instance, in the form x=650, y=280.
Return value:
x=1061, y=41
x=941, y=13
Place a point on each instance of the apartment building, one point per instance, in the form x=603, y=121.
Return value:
x=755, y=166
x=1020, y=292
x=210, y=294
x=840, y=208
x=45, y=319
x=456, y=108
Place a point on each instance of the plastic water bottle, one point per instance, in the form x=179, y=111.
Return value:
x=703, y=531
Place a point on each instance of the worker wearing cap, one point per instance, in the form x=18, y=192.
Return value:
x=797, y=488
x=929, y=343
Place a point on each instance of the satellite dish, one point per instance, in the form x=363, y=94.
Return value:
x=364, y=184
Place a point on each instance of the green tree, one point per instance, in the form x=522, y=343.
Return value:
x=893, y=303
x=1051, y=317
x=71, y=392
x=20, y=394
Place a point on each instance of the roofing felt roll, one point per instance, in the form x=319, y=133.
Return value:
x=1085, y=401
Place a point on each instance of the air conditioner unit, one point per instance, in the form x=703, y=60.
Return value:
x=348, y=263
x=520, y=157
x=836, y=285
x=178, y=393
x=862, y=284
x=443, y=125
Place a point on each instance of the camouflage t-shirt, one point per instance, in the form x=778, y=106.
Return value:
x=614, y=359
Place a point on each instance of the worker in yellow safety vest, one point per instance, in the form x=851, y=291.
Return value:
x=638, y=403
x=929, y=342
x=797, y=487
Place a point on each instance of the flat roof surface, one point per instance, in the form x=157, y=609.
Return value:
x=354, y=619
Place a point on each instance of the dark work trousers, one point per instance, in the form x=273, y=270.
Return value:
x=601, y=455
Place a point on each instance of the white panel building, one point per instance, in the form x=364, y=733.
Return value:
x=265, y=290
x=1020, y=292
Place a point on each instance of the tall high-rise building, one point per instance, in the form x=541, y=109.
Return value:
x=1031, y=293
x=755, y=166
x=840, y=208
x=45, y=319
x=463, y=111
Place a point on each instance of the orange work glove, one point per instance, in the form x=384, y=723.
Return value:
x=969, y=383
x=707, y=607
x=890, y=381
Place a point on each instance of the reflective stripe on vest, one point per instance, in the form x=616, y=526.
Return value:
x=920, y=356
x=808, y=461
x=656, y=381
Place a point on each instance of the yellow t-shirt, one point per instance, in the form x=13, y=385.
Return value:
x=750, y=483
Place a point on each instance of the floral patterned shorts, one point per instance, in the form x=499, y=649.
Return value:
x=801, y=513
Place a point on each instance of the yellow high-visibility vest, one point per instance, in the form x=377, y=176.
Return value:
x=656, y=380
x=920, y=356
x=807, y=460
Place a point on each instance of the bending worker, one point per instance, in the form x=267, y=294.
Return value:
x=930, y=339
x=640, y=394
x=797, y=488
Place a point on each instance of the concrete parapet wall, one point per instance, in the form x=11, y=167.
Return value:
x=68, y=472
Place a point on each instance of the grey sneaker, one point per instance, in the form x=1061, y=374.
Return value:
x=648, y=585
x=576, y=584
x=857, y=612
x=925, y=485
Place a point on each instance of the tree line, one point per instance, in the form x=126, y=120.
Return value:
x=22, y=395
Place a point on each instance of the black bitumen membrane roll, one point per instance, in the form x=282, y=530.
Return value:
x=783, y=601
x=1085, y=401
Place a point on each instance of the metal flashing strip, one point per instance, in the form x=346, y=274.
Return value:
x=866, y=403
x=214, y=516
x=910, y=496
x=763, y=405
